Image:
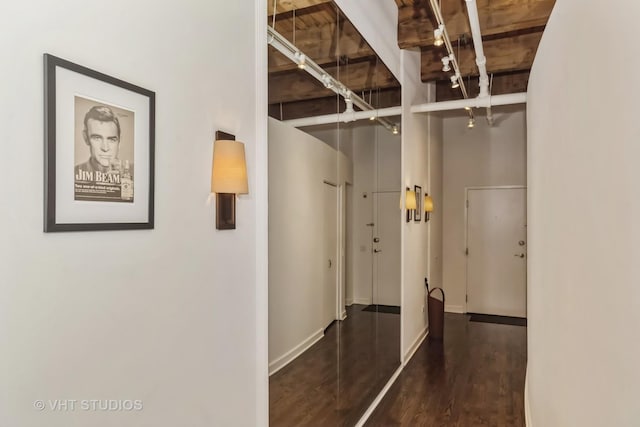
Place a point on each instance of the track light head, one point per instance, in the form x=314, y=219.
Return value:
x=302, y=59
x=326, y=80
x=445, y=64
x=454, y=82
x=471, y=123
x=437, y=35
x=348, y=102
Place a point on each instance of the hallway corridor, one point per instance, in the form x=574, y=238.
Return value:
x=475, y=377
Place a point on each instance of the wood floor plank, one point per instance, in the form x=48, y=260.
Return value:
x=334, y=382
x=474, y=377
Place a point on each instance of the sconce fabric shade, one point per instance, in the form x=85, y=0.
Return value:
x=428, y=203
x=411, y=199
x=229, y=168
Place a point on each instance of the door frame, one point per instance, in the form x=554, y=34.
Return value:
x=344, y=228
x=374, y=269
x=466, y=230
x=336, y=304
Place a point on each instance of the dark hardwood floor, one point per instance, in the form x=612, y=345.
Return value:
x=335, y=381
x=474, y=377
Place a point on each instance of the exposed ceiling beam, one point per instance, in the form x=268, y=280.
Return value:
x=319, y=42
x=320, y=107
x=496, y=17
x=298, y=85
x=503, y=55
x=502, y=84
x=289, y=5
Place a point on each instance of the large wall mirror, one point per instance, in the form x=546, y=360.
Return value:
x=334, y=218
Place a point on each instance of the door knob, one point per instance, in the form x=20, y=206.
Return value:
x=521, y=242
x=377, y=250
x=519, y=255
x=376, y=239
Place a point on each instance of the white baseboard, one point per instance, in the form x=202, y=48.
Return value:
x=343, y=315
x=416, y=343
x=365, y=301
x=454, y=309
x=289, y=356
x=379, y=398
x=527, y=408
x=349, y=302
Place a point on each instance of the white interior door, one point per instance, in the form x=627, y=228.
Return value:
x=330, y=255
x=496, y=260
x=349, y=258
x=386, y=250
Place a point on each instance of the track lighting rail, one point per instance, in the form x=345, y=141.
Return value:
x=289, y=50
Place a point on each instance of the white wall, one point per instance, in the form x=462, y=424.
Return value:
x=584, y=204
x=298, y=165
x=482, y=156
x=337, y=135
x=415, y=171
x=436, y=161
x=168, y=316
x=378, y=24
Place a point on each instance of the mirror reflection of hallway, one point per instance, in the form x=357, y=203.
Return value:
x=328, y=356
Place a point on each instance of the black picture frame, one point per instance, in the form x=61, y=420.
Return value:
x=418, y=214
x=69, y=206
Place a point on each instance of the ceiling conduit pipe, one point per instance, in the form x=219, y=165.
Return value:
x=481, y=60
x=484, y=102
x=343, y=117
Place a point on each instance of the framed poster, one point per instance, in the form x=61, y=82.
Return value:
x=418, y=215
x=99, y=150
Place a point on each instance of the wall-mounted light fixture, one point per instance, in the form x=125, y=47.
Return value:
x=410, y=203
x=428, y=206
x=228, y=178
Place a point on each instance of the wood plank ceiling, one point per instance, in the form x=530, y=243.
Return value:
x=511, y=31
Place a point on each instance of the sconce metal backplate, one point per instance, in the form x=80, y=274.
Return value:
x=409, y=211
x=225, y=202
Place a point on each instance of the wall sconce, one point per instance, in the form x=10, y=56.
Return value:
x=428, y=206
x=409, y=203
x=228, y=178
